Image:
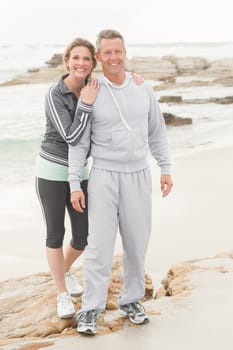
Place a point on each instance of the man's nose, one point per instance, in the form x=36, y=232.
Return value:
x=113, y=56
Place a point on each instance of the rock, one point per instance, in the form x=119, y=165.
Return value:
x=35, y=346
x=161, y=292
x=44, y=75
x=113, y=325
x=28, y=306
x=164, y=69
x=187, y=84
x=223, y=100
x=221, y=68
x=190, y=65
x=33, y=70
x=179, y=99
x=152, y=67
x=170, y=58
x=178, y=277
x=189, y=290
x=56, y=60
x=225, y=81
x=219, y=100
x=172, y=120
x=167, y=80
x=170, y=99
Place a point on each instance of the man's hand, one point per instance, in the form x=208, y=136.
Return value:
x=77, y=199
x=166, y=184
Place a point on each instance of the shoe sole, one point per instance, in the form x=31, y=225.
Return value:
x=76, y=294
x=67, y=316
x=124, y=313
x=146, y=320
x=87, y=331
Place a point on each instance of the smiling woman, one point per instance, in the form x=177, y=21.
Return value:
x=68, y=107
x=79, y=61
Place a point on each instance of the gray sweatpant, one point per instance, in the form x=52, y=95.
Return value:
x=116, y=200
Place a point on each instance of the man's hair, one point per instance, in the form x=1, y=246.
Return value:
x=108, y=34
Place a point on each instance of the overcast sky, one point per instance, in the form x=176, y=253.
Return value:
x=140, y=21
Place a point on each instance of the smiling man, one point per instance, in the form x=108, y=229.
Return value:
x=126, y=119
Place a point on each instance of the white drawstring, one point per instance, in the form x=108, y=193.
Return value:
x=118, y=107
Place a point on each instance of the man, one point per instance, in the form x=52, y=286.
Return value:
x=125, y=120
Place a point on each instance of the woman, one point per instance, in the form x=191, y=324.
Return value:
x=68, y=107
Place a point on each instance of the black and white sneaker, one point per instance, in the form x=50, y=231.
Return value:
x=87, y=322
x=135, y=312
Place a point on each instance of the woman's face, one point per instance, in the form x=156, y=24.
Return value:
x=80, y=62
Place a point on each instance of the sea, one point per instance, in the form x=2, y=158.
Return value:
x=22, y=117
x=22, y=124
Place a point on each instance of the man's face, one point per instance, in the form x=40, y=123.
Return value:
x=112, y=56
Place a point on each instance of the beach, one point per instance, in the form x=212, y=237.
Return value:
x=191, y=226
x=194, y=222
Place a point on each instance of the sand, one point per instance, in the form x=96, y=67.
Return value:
x=195, y=221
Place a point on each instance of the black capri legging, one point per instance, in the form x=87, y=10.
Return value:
x=54, y=197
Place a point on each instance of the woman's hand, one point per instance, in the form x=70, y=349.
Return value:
x=138, y=79
x=77, y=199
x=89, y=92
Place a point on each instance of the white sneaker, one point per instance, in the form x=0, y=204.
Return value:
x=73, y=287
x=65, y=307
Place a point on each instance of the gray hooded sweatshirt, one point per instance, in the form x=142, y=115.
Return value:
x=125, y=122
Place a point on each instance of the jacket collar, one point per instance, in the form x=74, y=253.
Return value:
x=62, y=85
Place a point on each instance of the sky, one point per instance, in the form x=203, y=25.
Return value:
x=140, y=21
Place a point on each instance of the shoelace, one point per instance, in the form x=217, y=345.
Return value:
x=64, y=299
x=88, y=316
x=70, y=281
x=136, y=308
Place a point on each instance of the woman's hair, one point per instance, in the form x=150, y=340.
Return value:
x=108, y=34
x=79, y=42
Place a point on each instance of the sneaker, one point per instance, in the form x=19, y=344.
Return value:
x=87, y=322
x=135, y=312
x=73, y=287
x=65, y=307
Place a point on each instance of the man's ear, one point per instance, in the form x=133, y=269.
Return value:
x=97, y=56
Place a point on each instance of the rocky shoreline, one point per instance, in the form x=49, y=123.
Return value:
x=168, y=72
x=28, y=312
x=28, y=307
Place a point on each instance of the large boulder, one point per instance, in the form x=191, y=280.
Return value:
x=152, y=67
x=221, y=68
x=173, y=120
x=28, y=306
x=191, y=65
x=56, y=60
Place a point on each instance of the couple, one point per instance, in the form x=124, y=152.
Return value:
x=113, y=119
